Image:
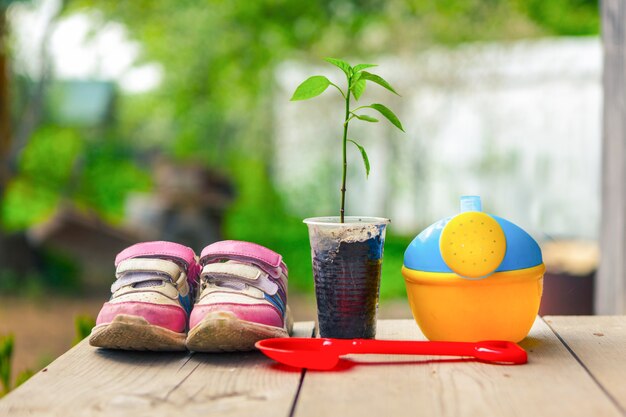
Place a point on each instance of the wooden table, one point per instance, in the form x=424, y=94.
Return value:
x=577, y=367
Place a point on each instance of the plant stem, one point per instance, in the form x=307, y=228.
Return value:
x=345, y=159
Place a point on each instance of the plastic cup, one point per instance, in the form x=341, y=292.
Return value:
x=347, y=259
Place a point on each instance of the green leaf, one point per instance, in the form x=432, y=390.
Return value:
x=23, y=377
x=385, y=111
x=366, y=118
x=366, y=160
x=6, y=356
x=345, y=67
x=311, y=87
x=360, y=67
x=378, y=80
x=83, y=325
x=358, y=89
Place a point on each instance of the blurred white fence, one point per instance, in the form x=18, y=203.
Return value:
x=517, y=123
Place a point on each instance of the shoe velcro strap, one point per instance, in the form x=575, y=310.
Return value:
x=163, y=250
x=227, y=292
x=137, y=270
x=240, y=272
x=158, y=266
x=266, y=259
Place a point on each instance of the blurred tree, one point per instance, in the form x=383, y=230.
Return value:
x=6, y=138
x=6, y=133
x=5, y=102
x=13, y=136
x=564, y=17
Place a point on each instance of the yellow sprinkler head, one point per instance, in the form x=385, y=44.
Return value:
x=472, y=244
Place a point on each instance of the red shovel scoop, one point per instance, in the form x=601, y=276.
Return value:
x=323, y=354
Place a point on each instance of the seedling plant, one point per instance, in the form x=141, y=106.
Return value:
x=357, y=79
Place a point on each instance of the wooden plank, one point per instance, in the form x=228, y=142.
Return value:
x=238, y=384
x=552, y=383
x=599, y=342
x=90, y=381
x=93, y=382
x=610, y=286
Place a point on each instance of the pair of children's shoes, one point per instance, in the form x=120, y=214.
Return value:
x=165, y=298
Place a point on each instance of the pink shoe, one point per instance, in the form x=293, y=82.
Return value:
x=151, y=301
x=242, y=298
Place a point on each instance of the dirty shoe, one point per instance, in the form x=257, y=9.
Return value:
x=242, y=298
x=151, y=301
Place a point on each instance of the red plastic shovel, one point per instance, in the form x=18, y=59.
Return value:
x=323, y=354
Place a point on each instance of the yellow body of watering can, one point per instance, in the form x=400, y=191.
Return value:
x=474, y=276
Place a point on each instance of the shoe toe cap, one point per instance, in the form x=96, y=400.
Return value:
x=166, y=316
x=255, y=313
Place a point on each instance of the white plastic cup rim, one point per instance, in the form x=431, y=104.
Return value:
x=348, y=221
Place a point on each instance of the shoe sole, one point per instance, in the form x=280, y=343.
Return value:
x=224, y=332
x=128, y=332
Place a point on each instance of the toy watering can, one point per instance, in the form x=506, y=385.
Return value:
x=474, y=276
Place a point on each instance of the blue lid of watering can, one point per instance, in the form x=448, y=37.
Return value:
x=472, y=244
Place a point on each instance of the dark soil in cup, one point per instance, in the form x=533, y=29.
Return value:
x=347, y=282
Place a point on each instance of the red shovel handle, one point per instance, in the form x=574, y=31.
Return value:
x=488, y=351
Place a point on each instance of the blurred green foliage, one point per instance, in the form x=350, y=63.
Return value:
x=82, y=326
x=11, y=283
x=108, y=174
x=564, y=17
x=6, y=356
x=64, y=163
x=214, y=105
x=57, y=272
x=23, y=377
x=7, y=343
x=219, y=57
x=45, y=169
